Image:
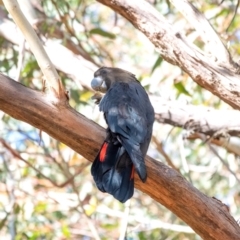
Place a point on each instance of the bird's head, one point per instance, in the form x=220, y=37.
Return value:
x=105, y=77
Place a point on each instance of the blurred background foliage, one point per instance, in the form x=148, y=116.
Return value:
x=46, y=189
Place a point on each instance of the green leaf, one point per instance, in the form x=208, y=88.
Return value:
x=103, y=33
x=2, y=223
x=40, y=207
x=181, y=89
x=109, y=226
x=66, y=231
x=157, y=63
x=59, y=215
x=16, y=208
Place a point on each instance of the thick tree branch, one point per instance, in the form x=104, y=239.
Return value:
x=213, y=123
x=207, y=216
x=175, y=49
x=49, y=71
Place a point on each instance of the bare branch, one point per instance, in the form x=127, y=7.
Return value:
x=232, y=144
x=68, y=61
x=207, y=216
x=205, y=30
x=175, y=49
x=211, y=122
x=43, y=60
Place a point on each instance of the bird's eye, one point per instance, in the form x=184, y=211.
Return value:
x=103, y=72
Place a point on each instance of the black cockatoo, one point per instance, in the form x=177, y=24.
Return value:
x=129, y=116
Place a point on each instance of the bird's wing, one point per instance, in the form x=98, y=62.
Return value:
x=125, y=112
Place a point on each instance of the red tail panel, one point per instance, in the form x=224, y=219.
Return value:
x=103, y=152
x=113, y=171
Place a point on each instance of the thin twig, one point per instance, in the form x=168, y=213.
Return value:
x=17, y=155
x=223, y=162
x=183, y=158
x=234, y=15
x=160, y=148
x=220, y=158
x=88, y=219
x=21, y=54
x=125, y=220
x=12, y=200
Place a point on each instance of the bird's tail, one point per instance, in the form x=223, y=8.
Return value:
x=113, y=171
x=134, y=151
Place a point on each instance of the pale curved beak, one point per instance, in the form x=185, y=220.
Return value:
x=98, y=84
